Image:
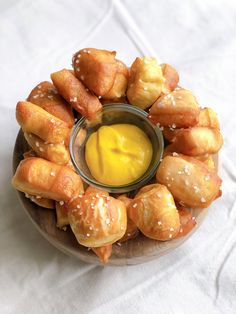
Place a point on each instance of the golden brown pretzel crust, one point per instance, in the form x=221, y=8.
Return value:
x=38, y=121
x=177, y=109
x=119, y=87
x=75, y=93
x=38, y=176
x=170, y=133
x=171, y=78
x=198, y=141
x=96, y=68
x=154, y=212
x=41, y=201
x=187, y=222
x=208, y=118
x=169, y=150
x=208, y=161
x=190, y=181
x=96, y=191
x=97, y=220
x=29, y=153
x=57, y=153
x=145, y=82
x=62, y=214
x=103, y=252
x=131, y=230
x=46, y=96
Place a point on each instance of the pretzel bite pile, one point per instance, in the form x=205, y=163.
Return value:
x=185, y=179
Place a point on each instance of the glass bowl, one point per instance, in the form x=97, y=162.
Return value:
x=115, y=113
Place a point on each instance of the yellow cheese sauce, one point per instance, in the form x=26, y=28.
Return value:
x=118, y=154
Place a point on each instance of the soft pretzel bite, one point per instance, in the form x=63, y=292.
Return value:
x=97, y=220
x=177, y=109
x=41, y=201
x=206, y=159
x=62, y=214
x=96, y=191
x=209, y=162
x=203, y=158
x=62, y=209
x=75, y=93
x=170, y=133
x=145, y=82
x=29, y=153
x=38, y=176
x=189, y=180
x=131, y=230
x=187, y=222
x=103, y=252
x=208, y=118
x=125, y=199
x=96, y=68
x=171, y=78
x=119, y=87
x=154, y=212
x=198, y=141
x=46, y=96
x=38, y=121
x=53, y=152
x=169, y=150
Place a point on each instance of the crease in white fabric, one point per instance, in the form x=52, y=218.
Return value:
x=222, y=260
x=229, y=168
x=94, y=29
x=133, y=31
x=69, y=280
x=232, y=211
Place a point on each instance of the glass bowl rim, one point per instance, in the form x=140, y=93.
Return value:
x=149, y=173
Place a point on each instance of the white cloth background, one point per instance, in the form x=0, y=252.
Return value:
x=198, y=38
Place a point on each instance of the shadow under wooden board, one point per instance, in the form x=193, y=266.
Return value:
x=132, y=252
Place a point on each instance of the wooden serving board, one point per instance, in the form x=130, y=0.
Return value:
x=132, y=252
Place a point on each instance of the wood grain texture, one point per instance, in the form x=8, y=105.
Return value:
x=136, y=251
